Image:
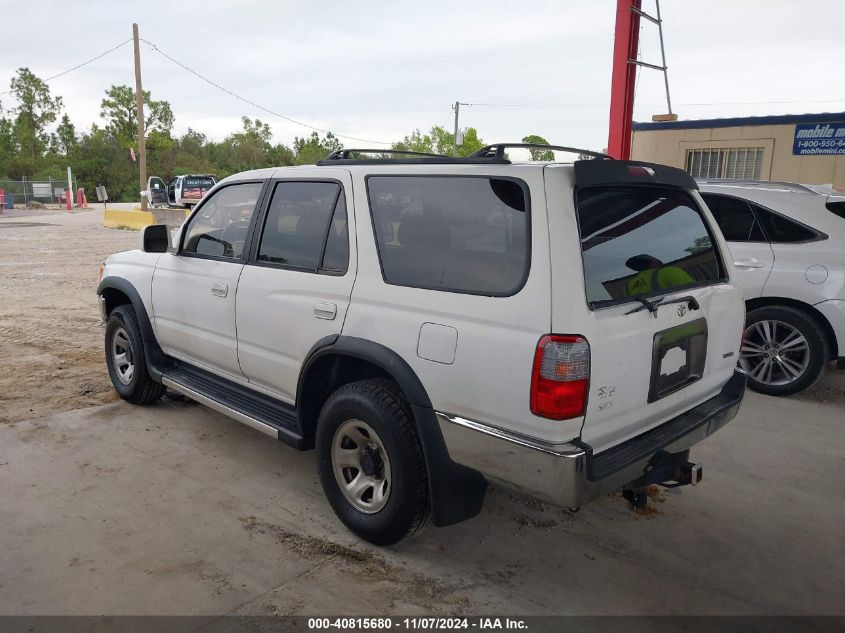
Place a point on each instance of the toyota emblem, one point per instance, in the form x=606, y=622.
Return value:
x=682, y=310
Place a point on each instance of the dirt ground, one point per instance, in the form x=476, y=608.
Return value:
x=109, y=508
x=50, y=332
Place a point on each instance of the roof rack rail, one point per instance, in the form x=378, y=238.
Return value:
x=497, y=150
x=404, y=157
x=345, y=154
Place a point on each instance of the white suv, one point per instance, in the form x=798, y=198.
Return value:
x=788, y=246
x=431, y=323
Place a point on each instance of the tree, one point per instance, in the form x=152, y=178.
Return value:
x=415, y=142
x=538, y=154
x=309, y=150
x=66, y=135
x=119, y=111
x=443, y=141
x=8, y=147
x=35, y=111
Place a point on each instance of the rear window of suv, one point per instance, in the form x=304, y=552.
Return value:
x=641, y=242
x=457, y=234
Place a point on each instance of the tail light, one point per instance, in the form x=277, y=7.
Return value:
x=560, y=379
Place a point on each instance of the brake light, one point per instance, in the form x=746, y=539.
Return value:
x=560, y=379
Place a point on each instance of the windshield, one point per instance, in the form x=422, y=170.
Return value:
x=639, y=242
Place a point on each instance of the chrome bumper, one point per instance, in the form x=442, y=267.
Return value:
x=570, y=474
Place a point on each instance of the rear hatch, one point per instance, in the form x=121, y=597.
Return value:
x=650, y=289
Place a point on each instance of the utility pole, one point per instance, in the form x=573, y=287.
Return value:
x=457, y=113
x=139, y=108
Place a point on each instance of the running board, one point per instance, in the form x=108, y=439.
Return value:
x=268, y=415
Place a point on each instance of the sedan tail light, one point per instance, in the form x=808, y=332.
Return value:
x=560, y=379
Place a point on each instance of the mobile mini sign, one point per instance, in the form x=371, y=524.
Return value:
x=819, y=138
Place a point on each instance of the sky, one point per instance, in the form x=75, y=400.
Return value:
x=377, y=70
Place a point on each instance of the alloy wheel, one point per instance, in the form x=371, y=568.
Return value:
x=774, y=353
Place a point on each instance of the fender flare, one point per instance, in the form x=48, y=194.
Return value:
x=456, y=492
x=155, y=357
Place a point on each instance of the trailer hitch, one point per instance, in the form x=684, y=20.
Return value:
x=669, y=470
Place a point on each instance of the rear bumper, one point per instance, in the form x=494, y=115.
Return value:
x=571, y=475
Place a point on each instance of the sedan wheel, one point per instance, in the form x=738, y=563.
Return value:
x=774, y=353
x=784, y=350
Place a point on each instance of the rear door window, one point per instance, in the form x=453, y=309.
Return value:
x=457, y=234
x=306, y=227
x=643, y=241
x=735, y=218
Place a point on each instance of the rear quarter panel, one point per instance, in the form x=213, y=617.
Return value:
x=489, y=380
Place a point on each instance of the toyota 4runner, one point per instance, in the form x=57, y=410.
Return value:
x=430, y=324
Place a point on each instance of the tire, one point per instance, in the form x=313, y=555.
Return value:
x=123, y=334
x=372, y=420
x=797, y=351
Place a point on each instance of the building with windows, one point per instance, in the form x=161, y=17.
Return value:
x=805, y=148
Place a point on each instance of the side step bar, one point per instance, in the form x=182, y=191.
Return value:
x=268, y=415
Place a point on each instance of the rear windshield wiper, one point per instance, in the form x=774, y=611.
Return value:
x=651, y=306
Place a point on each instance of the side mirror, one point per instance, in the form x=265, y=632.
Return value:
x=155, y=238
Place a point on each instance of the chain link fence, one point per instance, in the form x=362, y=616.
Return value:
x=32, y=193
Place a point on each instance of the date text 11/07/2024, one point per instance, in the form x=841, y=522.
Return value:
x=417, y=623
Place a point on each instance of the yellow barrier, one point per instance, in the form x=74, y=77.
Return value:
x=137, y=219
x=134, y=219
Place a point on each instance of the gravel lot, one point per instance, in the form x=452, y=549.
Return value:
x=174, y=509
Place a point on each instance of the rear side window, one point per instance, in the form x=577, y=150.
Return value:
x=642, y=241
x=458, y=234
x=306, y=227
x=735, y=218
x=781, y=230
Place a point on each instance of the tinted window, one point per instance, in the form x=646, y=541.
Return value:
x=297, y=224
x=641, y=242
x=458, y=234
x=336, y=257
x=220, y=226
x=734, y=217
x=782, y=230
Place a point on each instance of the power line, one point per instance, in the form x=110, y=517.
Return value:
x=604, y=105
x=255, y=105
x=85, y=63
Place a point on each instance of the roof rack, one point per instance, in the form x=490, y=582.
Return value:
x=345, y=154
x=410, y=158
x=497, y=150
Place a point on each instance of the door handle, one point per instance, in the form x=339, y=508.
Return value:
x=220, y=289
x=748, y=263
x=325, y=310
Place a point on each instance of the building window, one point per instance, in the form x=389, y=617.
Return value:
x=730, y=162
